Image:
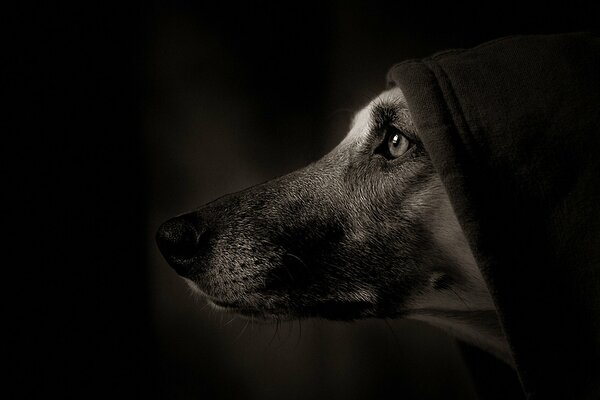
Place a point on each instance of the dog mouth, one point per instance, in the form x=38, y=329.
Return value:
x=225, y=305
x=336, y=310
x=241, y=309
x=340, y=310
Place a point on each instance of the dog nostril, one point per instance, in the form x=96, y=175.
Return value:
x=178, y=238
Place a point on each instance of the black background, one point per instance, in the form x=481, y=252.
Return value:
x=120, y=116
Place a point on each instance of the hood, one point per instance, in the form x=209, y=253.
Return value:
x=513, y=129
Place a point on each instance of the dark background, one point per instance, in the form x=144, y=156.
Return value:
x=122, y=116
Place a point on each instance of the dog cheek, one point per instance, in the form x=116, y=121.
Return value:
x=388, y=254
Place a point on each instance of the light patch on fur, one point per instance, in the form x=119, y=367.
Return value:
x=456, y=299
x=363, y=294
x=470, y=332
x=466, y=289
x=362, y=120
x=192, y=286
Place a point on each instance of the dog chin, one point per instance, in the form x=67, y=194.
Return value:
x=255, y=313
x=327, y=309
x=347, y=308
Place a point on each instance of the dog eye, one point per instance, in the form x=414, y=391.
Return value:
x=394, y=145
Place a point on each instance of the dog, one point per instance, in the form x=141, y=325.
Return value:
x=368, y=231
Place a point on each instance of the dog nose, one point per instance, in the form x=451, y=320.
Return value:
x=179, y=240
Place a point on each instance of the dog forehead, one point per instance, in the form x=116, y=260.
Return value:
x=362, y=119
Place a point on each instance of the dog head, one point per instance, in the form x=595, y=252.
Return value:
x=367, y=231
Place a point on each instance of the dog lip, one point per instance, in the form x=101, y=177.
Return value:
x=349, y=312
x=328, y=309
x=441, y=311
x=243, y=310
x=226, y=305
x=341, y=310
x=466, y=315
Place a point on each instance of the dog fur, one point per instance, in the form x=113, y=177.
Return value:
x=357, y=234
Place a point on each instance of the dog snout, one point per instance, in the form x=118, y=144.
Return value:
x=180, y=240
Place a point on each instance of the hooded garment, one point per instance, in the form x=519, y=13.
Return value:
x=513, y=129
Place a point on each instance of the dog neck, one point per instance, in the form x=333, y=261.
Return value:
x=457, y=299
x=479, y=328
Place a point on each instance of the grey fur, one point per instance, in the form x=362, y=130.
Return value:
x=308, y=243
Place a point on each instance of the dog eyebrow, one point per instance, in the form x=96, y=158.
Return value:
x=383, y=114
x=388, y=108
x=392, y=113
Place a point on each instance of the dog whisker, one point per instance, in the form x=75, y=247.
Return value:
x=274, y=332
x=385, y=320
x=460, y=298
x=241, y=332
x=297, y=258
x=299, y=333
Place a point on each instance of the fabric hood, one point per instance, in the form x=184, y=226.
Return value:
x=513, y=129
